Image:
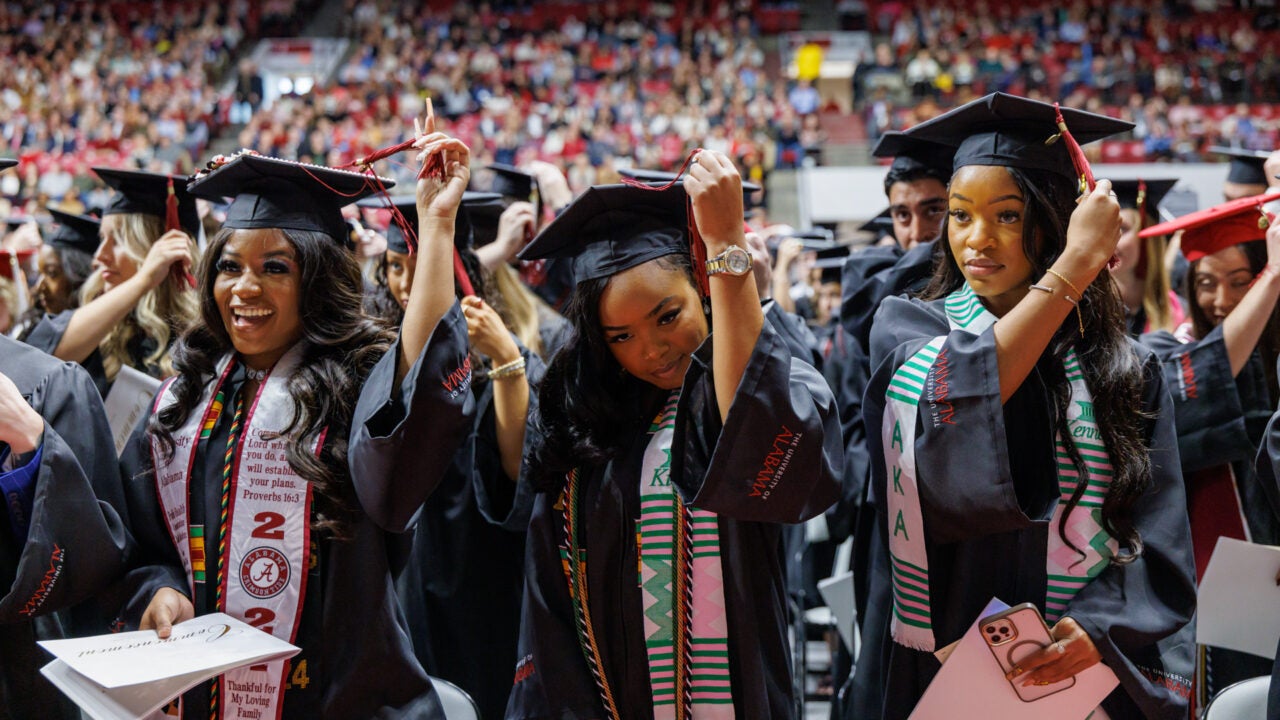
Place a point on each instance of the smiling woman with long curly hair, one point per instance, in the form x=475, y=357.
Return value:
x=297, y=441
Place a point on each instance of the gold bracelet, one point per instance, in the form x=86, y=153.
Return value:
x=510, y=369
x=1064, y=279
x=1073, y=301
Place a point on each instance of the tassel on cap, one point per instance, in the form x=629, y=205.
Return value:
x=1078, y=160
x=697, y=248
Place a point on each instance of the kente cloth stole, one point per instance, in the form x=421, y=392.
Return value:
x=1068, y=570
x=269, y=530
x=682, y=591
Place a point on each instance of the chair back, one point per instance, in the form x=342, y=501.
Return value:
x=457, y=704
x=1245, y=700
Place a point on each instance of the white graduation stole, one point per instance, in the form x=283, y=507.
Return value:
x=1067, y=571
x=268, y=532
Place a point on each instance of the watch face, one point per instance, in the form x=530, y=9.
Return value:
x=738, y=261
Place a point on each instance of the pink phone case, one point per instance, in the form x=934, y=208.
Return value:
x=1014, y=634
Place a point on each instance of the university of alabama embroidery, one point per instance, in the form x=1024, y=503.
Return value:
x=264, y=572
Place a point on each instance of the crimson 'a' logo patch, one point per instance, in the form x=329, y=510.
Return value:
x=264, y=572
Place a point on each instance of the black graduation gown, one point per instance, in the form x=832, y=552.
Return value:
x=715, y=467
x=988, y=492
x=869, y=277
x=461, y=589
x=49, y=331
x=1221, y=419
x=1220, y=422
x=76, y=544
x=360, y=661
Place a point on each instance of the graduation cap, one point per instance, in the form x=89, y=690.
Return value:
x=408, y=207
x=611, y=228
x=660, y=177
x=512, y=182
x=6, y=163
x=1142, y=195
x=273, y=193
x=75, y=232
x=880, y=225
x=8, y=260
x=1207, y=231
x=816, y=239
x=147, y=193
x=1009, y=131
x=831, y=262
x=1245, y=165
x=913, y=154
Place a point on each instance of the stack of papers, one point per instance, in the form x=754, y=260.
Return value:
x=126, y=676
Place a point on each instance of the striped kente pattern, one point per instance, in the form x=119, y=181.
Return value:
x=1068, y=571
x=228, y=462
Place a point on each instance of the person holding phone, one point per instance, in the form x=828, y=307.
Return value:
x=1022, y=452
x=137, y=301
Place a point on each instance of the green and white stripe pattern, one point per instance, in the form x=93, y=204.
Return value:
x=1068, y=569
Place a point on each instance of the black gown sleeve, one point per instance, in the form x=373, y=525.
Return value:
x=77, y=543
x=776, y=456
x=403, y=439
x=983, y=498
x=1127, y=609
x=1213, y=409
x=48, y=333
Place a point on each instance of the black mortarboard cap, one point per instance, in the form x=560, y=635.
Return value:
x=1152, y=191
x=880, y=225
x=511, y=181
x=6, y=163
x=75, y=232
x=1246, y=165
x=913, y=153
x=147, y=193
x=1010, y=131
x=273, y=193
x=611, y=228
x=660, y=177
x=817, y=239
x=831, y=262
x=408, y=207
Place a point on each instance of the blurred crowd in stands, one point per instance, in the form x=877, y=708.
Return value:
x=597, y=87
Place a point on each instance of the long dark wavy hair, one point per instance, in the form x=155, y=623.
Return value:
x=1255, y=251
x=342, y=346
x=1112, y=369
x=589, y=409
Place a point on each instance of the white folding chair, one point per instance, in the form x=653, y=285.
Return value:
x=457, y=704
x=1245, y=700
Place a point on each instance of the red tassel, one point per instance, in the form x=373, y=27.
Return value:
x=172, y=222
x=697, y=248
x=432, y=168
x=1081, y=163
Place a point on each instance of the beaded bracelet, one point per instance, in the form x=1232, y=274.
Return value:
x=509, y=369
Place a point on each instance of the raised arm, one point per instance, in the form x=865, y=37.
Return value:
x=715, y=188
x=1242, y=329
x=91, y=323
x=1025, y=331
x=432, y=294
